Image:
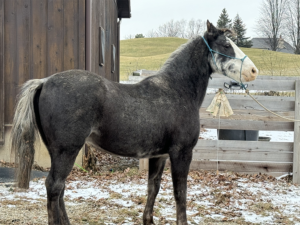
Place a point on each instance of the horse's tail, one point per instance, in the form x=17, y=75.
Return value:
x=25, y=131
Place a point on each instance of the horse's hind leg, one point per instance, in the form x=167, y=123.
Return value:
x=156, y=167
x=61, y=164
x=63, y=213
x=180, y=164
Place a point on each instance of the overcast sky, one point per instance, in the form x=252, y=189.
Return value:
x=150, y=14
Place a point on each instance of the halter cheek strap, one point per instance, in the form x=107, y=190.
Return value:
x=242, y=59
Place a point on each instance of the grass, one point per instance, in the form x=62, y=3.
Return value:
x=146, y=53
x=151, y=53
x=274, y=63
x=145, y=47
x=115, y=195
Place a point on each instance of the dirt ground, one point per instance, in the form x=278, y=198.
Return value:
x=112, y=191
x=219, y=194
x=99, y=162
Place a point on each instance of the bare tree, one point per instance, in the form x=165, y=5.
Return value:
x=271, y=23
x=172, y=29
x=182, y=23
x=180, y=29
x=129, y=36
x=293, y=24
x=152, y=34
x=194, y=28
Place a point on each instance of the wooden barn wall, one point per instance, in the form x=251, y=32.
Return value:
x=41, y=37
x=104, y=13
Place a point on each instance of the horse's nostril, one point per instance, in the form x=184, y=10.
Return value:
x=253, y=70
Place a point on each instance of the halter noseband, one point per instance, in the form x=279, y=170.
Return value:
x=243, y=59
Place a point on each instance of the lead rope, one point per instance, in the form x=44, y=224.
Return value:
x=283, y=117
x=241, y=83
x=244, y=88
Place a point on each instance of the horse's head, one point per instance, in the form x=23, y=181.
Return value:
x=232, y=61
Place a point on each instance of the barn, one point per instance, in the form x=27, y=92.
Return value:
x=41, y=37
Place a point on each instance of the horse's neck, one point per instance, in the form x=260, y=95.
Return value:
x=188, y=71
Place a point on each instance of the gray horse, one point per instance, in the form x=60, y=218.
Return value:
x=156, y=118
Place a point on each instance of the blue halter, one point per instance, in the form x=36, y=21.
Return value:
x=243, y=59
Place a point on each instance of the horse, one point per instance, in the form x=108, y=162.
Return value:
x=156, y=118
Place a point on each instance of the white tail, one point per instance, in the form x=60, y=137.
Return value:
x=25, y=131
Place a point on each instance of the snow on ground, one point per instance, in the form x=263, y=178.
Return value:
x=276, y=136
x=212, y=198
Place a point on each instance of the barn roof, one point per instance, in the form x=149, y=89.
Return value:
x=262, y=43
x=124, y=9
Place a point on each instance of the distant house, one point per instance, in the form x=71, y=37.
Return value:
x=262, y=43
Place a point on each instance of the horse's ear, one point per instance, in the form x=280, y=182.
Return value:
x=228, y=32
x=211, y=28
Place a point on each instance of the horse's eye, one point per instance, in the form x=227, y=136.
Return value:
x=227, y=45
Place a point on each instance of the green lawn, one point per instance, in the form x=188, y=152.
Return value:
x=151, y=53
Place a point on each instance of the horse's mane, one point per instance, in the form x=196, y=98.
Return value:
x=227, y=31
x=178, y=51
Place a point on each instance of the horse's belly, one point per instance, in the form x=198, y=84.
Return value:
x=126, y=147
x=96, y=146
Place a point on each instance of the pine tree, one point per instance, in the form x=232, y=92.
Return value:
x=240, y=31
x=224, y=21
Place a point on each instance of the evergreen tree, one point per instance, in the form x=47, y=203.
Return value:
x=240, y=31
x=224, y=21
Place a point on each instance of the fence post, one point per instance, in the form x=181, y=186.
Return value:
x=144, y=164
x=296, y=161
x=2, y=85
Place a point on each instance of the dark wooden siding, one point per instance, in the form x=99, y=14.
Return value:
x=108, y=20
x=41, y=37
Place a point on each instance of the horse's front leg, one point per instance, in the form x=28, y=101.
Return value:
x=180, y=164
x=156, y=168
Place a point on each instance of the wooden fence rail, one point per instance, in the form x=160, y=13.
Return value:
x=252, y=156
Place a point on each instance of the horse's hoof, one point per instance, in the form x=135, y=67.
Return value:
x=183, y=223
x=148, y=221
x=64, y=221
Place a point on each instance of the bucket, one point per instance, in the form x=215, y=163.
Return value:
x=242, y=135
x=264, y=138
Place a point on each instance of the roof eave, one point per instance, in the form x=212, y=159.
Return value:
x=124, y=8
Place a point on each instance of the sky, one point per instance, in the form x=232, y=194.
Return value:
x=150, y=14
